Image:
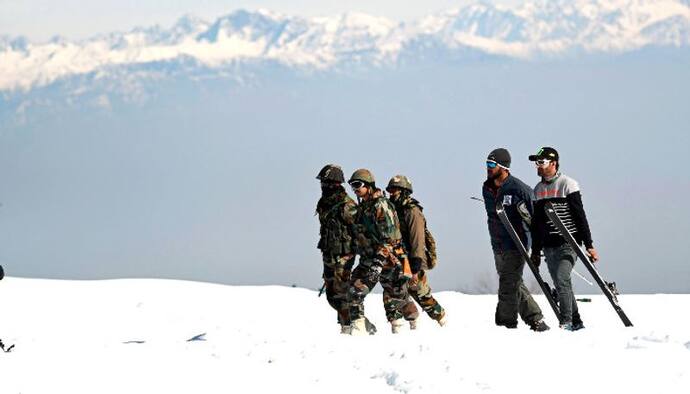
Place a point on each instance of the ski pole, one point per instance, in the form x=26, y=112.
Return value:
x=583, y=278
x=322, y=289
x=476, y=199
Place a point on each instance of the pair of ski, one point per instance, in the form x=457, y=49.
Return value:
x=608, y=289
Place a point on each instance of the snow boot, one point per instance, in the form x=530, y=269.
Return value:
x=442, y=321
x=539, y=326
x=358, y=327
x=413, y=324
x=396, y=325
x=345, y=329
x=369, y=326
x=578, y=325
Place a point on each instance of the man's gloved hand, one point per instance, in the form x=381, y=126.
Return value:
x=536, y=258
x=416, y=264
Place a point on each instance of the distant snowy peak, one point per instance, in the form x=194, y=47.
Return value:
x=530, y=30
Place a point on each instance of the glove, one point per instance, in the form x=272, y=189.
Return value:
x=536, y=258
x=416, y=264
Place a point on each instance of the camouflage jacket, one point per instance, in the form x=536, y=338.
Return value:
x=336, y=215
x=412, y=227
x=377, y=226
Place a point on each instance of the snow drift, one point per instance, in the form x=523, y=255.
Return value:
x=134, y=336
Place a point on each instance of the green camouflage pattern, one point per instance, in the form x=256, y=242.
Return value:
x=337, y=271
x=366, y=275
x=400, y=181
x=381, y=252
x=418, y=288
x=420, y=291
x=363, y=175
x=337, y=214
x=377, y=225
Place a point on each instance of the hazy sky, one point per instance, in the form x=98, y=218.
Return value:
x=42, y=19
x=212, y=182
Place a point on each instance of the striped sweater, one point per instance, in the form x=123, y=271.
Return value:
x=564, y=193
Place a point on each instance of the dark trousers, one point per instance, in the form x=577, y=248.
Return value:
x=561, y=260
x=513, y=296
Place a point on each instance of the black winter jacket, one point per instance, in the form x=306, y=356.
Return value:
x=513, y=193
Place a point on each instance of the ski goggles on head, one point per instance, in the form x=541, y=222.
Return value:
x=356, y=184
x=542, y=162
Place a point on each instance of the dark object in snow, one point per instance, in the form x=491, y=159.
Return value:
x=369, y=326
x=583, y=300
x=2, y=346
x=609, y=289
x=545, y=288
x=2, y=273
x=200, y=337
x=130, y=342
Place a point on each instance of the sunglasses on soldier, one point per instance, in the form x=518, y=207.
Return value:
x=356, y=184
x=542, y=162
x=491, y=164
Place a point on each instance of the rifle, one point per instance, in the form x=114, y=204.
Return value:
x=388, y=254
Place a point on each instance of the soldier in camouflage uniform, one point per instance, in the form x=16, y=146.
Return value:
x=413, y=229
x=382, y=256
x=337, y=213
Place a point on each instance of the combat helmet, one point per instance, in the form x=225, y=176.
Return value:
x=331, y=172
x=362, y=175
x=400, y=181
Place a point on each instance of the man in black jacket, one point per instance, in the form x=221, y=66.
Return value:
x=516, y=197
x=564, y=193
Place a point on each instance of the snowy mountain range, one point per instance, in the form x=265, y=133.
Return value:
x=531, y=31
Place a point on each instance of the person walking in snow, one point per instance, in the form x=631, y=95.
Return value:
x=513, y=297
x=564, y=194
x=414, y=232
x=336, y=211
x=382, y=255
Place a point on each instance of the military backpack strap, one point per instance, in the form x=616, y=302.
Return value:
x=333, y=208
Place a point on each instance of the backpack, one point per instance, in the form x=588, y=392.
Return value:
x=430, y=249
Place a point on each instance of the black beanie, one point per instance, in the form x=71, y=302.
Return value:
x=500, y=156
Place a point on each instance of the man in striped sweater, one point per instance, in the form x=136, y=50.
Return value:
x=564, y=193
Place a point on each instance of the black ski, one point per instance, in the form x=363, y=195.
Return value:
x=2, y=347
x=609, y=289
x=500, y=210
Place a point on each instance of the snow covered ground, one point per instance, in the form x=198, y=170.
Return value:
x=130, y=336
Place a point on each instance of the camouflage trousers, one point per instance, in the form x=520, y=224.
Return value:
x=336, y=275
x=366, y=275
x=420, y=291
